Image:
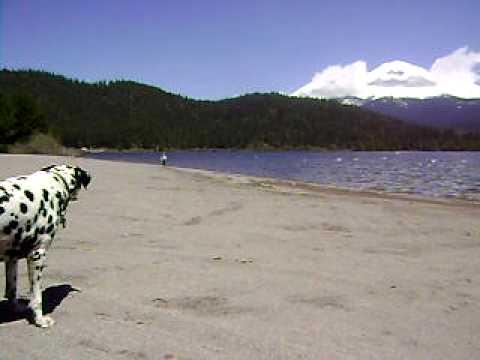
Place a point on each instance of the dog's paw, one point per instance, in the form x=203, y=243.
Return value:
x=44, y=321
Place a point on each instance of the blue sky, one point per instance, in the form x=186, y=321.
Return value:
x=216, y=49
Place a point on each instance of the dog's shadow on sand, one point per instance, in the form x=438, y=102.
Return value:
x=51, y=298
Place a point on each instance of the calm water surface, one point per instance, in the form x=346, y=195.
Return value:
x=434, y=174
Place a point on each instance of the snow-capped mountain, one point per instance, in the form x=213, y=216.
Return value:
x=447, y=95
x=440, y=112
x=400, y=79
x=457, y=74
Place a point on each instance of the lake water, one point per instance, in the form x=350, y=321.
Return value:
x=432, y=174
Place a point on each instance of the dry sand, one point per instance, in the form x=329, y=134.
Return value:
x=175, y=264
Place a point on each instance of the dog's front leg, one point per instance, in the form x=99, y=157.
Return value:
x=35, y=263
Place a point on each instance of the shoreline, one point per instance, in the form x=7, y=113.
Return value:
x=395, y=191
x=260, y=149
x=299, y=186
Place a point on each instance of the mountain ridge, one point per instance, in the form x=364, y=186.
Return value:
x=126, y=114
x=443, y=112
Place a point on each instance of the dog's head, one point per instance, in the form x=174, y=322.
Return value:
x=73, y=177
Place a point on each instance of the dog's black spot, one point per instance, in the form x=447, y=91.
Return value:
x=23, y=208
x=2, y=210
x=50, y=229
x=16, y=186
x=36, y=241
x=44, y=213
x=52, y=205
x=4, y=198
x=28, y=228
x=12, y=225
x=18, y=236
x=29, y=195
x=50, y=218
x=46, y=168
x=42, y=205
x=45, y=194
x=35, y=219
x=22, y=178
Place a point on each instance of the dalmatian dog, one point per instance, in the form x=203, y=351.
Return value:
x=32, y=208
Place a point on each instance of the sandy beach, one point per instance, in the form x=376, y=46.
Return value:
x=162, y=263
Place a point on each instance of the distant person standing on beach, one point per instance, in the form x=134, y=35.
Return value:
x=163, y=159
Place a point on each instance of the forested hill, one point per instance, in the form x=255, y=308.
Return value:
x=125, y=114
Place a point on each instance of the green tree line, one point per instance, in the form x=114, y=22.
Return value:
x=126, y=114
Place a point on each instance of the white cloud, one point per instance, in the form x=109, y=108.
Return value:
x=338, y=80
x=456, y=74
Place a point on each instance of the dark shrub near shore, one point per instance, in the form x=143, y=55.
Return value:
x=40, y=143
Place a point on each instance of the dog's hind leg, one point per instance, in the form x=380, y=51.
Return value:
x=11, y=273
x=11, y=276
x=35, y=263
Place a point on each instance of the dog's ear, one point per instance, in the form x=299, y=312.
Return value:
x=82, y=177
x=48, y=167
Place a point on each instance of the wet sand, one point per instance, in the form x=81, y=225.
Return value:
x=162, y=263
